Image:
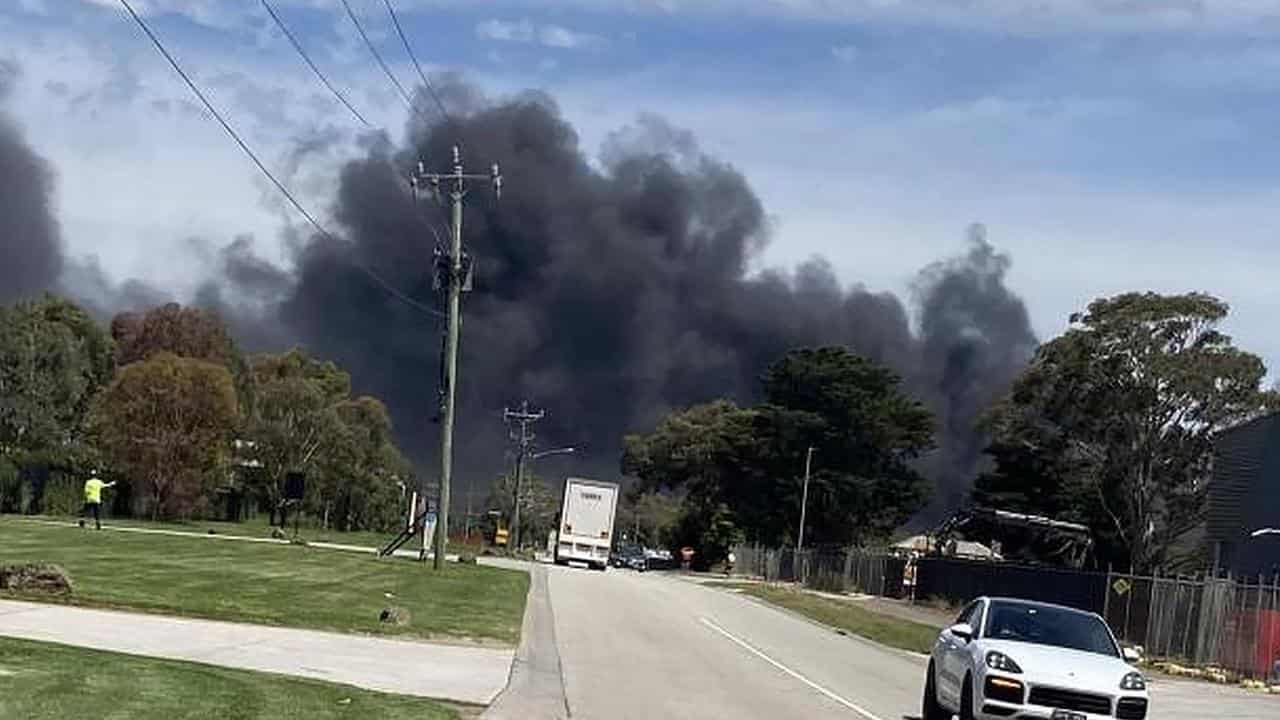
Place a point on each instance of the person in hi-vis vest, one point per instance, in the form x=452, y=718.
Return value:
x=93, y=488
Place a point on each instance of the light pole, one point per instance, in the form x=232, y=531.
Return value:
x=520, y=464
x=804, y=498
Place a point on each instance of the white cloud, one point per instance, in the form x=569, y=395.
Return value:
x=525, y=31
x=521, y=31
x=845, y=53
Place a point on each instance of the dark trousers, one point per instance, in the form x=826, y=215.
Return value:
x=94, y=509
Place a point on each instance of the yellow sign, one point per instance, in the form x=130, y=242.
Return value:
x=1121, y=586
x=500, y=537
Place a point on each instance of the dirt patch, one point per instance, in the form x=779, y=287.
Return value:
x=35, y=579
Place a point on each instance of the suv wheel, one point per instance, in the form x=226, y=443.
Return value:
x=966, y=699
x=931, y=709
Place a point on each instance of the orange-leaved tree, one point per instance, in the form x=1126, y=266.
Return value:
x=165, y=422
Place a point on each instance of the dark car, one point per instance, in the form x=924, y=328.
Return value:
x=629, y=556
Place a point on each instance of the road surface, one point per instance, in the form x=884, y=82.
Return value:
x=646, y=646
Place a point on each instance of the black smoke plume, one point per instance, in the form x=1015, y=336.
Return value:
x=30, y=241
x=611, y=294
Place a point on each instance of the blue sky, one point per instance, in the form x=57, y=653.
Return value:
x=1108, y=145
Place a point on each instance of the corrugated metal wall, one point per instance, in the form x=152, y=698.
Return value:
x=1244, y=495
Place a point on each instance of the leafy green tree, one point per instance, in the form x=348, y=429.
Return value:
x=360, y=470
x=53, y=360
x=295, y=417
x=650, y=518
x=165, y=423
x=1112, y=423
x=866, y=433
x=741, y=470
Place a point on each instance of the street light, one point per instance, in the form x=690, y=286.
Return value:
x=1264, y=531
x=520, y=463
x=557, y=451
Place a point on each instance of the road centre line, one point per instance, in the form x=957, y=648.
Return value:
x=760, y=654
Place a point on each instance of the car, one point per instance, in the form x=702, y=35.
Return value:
x=629, y=556
x=1010, y=658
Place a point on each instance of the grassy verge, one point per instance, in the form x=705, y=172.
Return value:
x=274, y=584
x=258, y=528
x=845, y=615
x=41, y=681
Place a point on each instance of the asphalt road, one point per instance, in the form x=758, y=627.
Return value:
x=646, y=646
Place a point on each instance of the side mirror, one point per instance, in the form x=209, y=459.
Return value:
x=964, y=631
x=1131, y=654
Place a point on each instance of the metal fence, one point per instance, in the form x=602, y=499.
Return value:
x=1226, y=623
x=850, y=570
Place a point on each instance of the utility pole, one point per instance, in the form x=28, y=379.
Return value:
x=524, y=440
x=804, y=498
x=456, y=276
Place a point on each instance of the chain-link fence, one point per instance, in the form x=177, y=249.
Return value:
x=1226, y=623
x=829, y=570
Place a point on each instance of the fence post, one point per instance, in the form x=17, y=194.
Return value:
x=1271, y=632
x=1106, y=599
x=1257, y=632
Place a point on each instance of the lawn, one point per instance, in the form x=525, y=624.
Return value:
x=42, y=681
x=258, y=528
x=845, y=615
x=273, y=584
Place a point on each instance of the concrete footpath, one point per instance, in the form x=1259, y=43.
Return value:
x=471, y=675
x=536, y=690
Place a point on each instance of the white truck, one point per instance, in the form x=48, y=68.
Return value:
x=586, y=522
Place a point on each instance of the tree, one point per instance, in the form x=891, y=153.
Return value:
x=296, y=416
x=741, y=470
x=538, y=505
x=188, y=332
x=650, y=518
x=1112, y=424
x=165, y=422
x=53, y=360
x=865, y=432
x=359, y=469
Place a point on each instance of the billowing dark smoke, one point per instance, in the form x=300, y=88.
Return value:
x=608, y=295
x=611, y=295
x=30, y=243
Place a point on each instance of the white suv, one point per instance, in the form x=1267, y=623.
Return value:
x=1008, y=658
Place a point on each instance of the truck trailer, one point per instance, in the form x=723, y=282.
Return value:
x=585, y=533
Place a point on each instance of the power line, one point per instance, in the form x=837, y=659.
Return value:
x=256, y=161
x=395, y=19
x=408, y=100
x=298, y=46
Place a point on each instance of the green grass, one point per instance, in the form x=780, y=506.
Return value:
x=258, y=528
x=273, y=584
x=42, y=681
x=845, y=615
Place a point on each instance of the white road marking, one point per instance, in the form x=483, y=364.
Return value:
x=754, y=651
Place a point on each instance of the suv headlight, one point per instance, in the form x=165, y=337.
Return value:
x=1004, y=663
x=1133, y=681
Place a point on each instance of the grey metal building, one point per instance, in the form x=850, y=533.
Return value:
x=1244, y=498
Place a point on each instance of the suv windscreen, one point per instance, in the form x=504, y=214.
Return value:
x=1058, y=627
